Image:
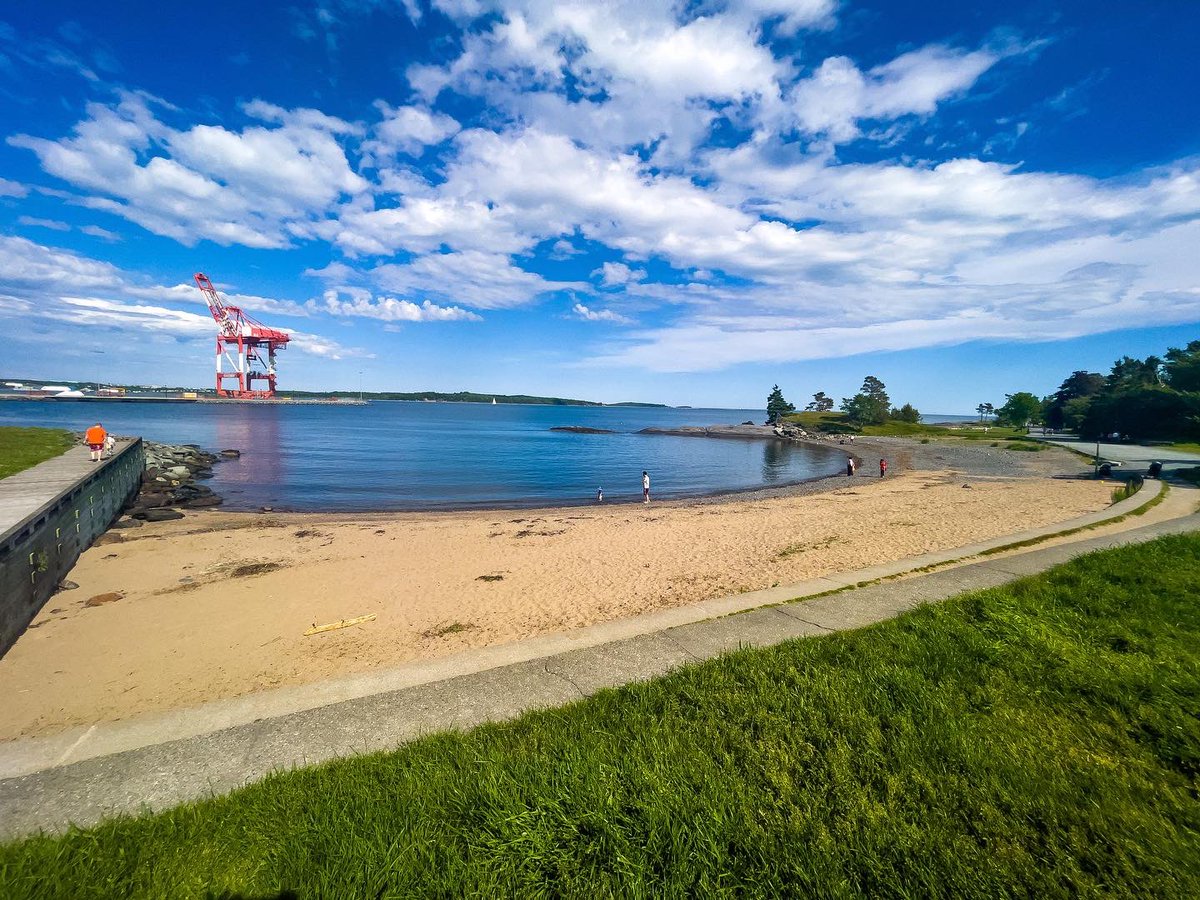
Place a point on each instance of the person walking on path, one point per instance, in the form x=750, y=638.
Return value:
x=882, y=467
x=95, y=438
x=645, y=486
x=849, y=466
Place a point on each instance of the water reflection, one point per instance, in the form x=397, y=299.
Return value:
x=776, y=455
x=255, y=433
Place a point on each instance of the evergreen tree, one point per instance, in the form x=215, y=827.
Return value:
x=906, y=413
x=870, y=405
x=777, y=406
x=1182, y=369
x=820, y=403
x=1128, y=372
x=1079, y=386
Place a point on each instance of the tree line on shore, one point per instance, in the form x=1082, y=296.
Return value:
x=1156, y=398
x=870, y=406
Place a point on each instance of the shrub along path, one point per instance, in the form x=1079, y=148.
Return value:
x=1035, y=739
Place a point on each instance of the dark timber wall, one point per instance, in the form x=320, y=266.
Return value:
x=38, y=553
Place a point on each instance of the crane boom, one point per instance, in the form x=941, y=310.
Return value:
x=246, y=337
x=215, y=306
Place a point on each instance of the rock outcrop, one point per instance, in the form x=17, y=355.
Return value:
x=170, y=481
x=790, y=432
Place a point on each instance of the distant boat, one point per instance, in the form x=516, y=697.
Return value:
x=493, y=401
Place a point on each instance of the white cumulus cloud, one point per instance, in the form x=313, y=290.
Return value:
x=600, y=315
x=389, y=309
x=838, y=95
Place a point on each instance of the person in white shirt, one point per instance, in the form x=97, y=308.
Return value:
x=645, y=486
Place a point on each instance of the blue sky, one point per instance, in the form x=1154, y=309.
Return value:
x=681, y=203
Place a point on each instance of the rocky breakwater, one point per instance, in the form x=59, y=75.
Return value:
x=170, y=482
x=785, y=431
x=790, y=432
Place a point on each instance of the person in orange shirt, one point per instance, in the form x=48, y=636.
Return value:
x=94, y=438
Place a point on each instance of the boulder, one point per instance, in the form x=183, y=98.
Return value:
x=160, y=515
x=201, y=502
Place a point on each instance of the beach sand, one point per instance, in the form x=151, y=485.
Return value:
x=216, y=605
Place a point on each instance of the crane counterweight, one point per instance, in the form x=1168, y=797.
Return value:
x=247, y=340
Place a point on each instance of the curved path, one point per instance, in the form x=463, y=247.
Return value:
x=1132, y=457
x=158, y=761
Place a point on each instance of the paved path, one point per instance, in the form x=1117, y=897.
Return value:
x=1132, y=457
x=161, y=761
x=29, y=491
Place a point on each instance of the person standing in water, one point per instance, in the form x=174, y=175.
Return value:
x=645, y=486
x=599, y=495
x=95, y=438
x=882, y=467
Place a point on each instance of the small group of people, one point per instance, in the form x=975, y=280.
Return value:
x=852, y=467
x=645, y=489
x=99, y=442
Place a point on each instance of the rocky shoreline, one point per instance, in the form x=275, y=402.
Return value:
x=784, y=431
x=170, y=482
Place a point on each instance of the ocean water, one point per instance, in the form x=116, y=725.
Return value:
x=404, y=455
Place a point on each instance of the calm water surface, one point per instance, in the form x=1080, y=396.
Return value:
x=402, y=455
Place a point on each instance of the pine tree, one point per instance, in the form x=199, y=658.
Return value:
x=820, y=403
x=870, y=405
x=777, y=406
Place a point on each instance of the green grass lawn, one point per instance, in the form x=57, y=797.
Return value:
x=822, y=421
x=21, y=448
x=835, y=422
x=1037, y=740
x=1186, y=447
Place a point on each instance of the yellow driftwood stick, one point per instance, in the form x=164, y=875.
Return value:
x=345, y=623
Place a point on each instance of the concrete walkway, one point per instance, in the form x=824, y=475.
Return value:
x=27, y=493
x=159, y=761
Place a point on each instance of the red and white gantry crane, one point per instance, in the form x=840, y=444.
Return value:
x=247, y=340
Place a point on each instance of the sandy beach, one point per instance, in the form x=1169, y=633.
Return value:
x=174, y=614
